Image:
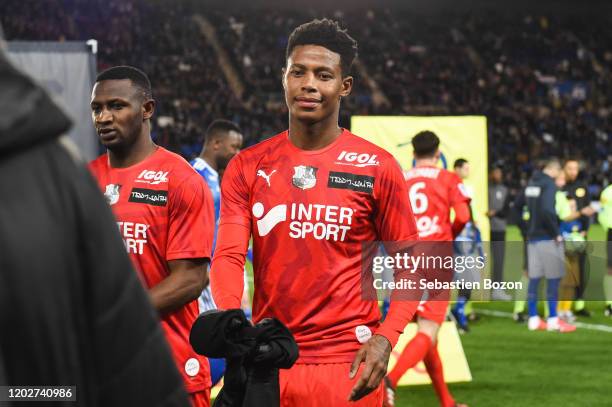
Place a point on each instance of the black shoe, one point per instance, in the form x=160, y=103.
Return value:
x=608, y=310
x=583, y=313
x=519, y=317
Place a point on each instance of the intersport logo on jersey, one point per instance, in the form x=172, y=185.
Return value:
x=356, y=159
x=322, y=222
x=152, y=177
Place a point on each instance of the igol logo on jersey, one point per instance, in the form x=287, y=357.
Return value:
x=322, y=222
x=354, y=182
x=152, y=177
x=356, y=159
x=304, y=177
x=112, y=193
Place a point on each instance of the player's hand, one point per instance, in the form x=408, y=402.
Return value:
x=587, y=211
x=375, y=353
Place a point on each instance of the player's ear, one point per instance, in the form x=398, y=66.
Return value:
x=283, y=78
x=347, y=86
x=148, y=108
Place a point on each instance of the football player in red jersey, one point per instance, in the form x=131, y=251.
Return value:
x=433, y=192
x=310, y=197
x=164, y=211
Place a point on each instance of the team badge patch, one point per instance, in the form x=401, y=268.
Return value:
x=112, y=193
x=305, y=177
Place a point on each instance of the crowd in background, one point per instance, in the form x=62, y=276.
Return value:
x=543, y=82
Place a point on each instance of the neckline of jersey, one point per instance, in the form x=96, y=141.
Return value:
x=137, y=165
x=319, y=151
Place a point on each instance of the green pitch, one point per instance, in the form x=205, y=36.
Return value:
x=514, y=367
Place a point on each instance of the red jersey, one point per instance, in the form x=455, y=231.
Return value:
x=309, y=213
x=433, y=192
x=164, y=211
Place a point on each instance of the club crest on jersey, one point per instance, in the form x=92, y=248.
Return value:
x=305, y=177
x=112, y=193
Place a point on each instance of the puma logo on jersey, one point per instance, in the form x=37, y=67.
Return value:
x=152, y=177
x=261, y=173
x=356, y=159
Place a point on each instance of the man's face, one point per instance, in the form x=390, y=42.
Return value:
x=571, y=169
x=463, y=171
x=227, y=148
x=118, y=110
x=313, y=83
x=560, y=180
x=496, y=175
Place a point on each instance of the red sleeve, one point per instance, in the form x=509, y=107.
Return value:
x=395, y=223
x=191, y=220
x=227, y=273
x=457, y=191
x=235, y=195
x=462, y=217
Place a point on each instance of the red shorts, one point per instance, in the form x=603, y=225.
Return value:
x=323, y=385
x=433, y=310
x=200, y=399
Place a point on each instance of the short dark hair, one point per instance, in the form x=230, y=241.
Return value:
x=138, y=78
x=220, y=128
x=460, y=162
x=567, y=160
x=425, y=144
x=328, y=34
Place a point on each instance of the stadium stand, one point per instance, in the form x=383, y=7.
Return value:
x=543, y=82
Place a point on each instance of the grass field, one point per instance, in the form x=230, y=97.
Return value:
x=512, y=366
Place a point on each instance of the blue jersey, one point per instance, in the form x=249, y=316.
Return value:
x=212, y=180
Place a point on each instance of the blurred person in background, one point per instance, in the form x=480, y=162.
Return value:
x=545, y=249
x=576, y=189
x=605, y=219
x=462, y=309
x=575, y=246
x=67, y=287
x=499, y=204
x=433, y=193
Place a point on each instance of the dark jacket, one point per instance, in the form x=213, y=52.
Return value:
x=254, y=354
x=539, y=198
x=499, y=201
x=579, y=192
x=72, y=310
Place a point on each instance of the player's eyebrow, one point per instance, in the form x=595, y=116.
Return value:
x=318, y=68
x=95, y=103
